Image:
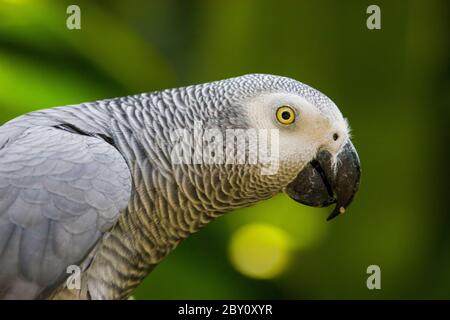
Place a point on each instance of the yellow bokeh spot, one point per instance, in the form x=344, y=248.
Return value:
x=260, y=250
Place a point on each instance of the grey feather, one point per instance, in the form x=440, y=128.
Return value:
x=59, y=192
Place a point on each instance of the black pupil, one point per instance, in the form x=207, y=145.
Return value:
x=286, y=115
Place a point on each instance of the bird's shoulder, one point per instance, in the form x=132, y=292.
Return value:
x=59, y=192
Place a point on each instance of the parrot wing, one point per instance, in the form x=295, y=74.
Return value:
x=59, y=192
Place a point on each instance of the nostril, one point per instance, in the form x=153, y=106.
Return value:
x=335, y=136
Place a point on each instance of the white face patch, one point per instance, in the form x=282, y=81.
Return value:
x=299, y=142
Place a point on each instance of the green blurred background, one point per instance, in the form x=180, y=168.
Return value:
x=392, y=84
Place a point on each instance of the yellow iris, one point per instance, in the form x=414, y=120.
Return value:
x=285, y=115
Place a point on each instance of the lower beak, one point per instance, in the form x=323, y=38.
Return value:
x=321, y=183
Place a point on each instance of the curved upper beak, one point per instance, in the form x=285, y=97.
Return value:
x=321, y=183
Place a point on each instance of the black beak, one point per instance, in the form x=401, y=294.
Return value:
x=320, y=184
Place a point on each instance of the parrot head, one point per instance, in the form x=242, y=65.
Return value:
x=316, y=163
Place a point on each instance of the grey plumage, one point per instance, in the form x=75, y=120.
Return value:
x=59, y=193
x=93, y=185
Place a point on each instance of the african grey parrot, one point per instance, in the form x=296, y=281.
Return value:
x=97, y=185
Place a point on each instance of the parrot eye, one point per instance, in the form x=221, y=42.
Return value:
x=285, y=115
